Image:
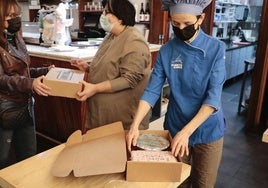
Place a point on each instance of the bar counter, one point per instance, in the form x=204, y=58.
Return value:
x=83, y=53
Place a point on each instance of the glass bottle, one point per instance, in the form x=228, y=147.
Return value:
x=147, y=13
x=142, y=13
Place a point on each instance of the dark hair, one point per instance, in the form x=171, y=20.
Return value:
x=5, y=6
x=123, y=10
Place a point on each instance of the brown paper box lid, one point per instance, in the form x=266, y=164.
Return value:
x=65, y=75
x=99, y=151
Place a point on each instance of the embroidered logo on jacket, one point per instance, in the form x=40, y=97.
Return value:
x=177, y=63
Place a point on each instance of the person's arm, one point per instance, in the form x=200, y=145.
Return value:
x=132, y=67
x=150, y=95
x=132, y=135
x=179, y=143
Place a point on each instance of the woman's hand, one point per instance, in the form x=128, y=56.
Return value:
x=40, y=88
x=131, y=138
x=80, y=64
x=51, y=67
x=88, y=91
x=179, y=144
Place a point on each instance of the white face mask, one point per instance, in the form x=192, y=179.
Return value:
x=105, y=24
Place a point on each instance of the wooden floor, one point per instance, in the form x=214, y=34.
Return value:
x=245, y=157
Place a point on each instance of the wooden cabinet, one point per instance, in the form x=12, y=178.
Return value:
x=57, y=117
x=159, y=23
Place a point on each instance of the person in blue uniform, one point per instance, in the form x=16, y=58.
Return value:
x=193, y=64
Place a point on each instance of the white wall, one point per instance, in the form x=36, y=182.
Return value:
x=25, y=11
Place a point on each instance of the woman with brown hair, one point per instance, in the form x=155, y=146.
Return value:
x=17, y=83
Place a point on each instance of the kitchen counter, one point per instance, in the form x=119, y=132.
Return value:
x=236, y=54
x=45, y=52
x=236, y=45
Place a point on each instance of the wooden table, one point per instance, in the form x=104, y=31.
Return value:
x=35, y=172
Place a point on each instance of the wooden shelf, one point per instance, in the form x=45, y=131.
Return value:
x=92, y=11
x=144, y=22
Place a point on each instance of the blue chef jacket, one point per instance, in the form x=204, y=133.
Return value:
x=196, y=74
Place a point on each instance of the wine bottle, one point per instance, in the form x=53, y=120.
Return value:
x=147, y=13
x=142, y=13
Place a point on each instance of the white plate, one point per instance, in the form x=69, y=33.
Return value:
x=83, y=44
x=63, y=48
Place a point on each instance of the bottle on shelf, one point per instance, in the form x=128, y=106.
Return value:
x=147, y=13
x=142, y=13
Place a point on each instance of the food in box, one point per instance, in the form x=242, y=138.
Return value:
x=163, y=168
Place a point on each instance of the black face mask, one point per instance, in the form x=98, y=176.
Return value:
x=186, y=33
x=14, y=25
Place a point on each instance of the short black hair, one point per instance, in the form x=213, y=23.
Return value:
x=123, y=10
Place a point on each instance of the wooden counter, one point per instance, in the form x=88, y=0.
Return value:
x=57, y=117
x=35, y=172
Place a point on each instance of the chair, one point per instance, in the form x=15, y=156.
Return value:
x=245, y=74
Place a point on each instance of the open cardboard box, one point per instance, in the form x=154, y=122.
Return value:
x=157, y=171
x=64, y=82
x=100, y=151
x=103, y=151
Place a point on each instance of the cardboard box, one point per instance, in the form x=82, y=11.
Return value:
x=100, y=151
x=156, y=171
x=64, y=82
